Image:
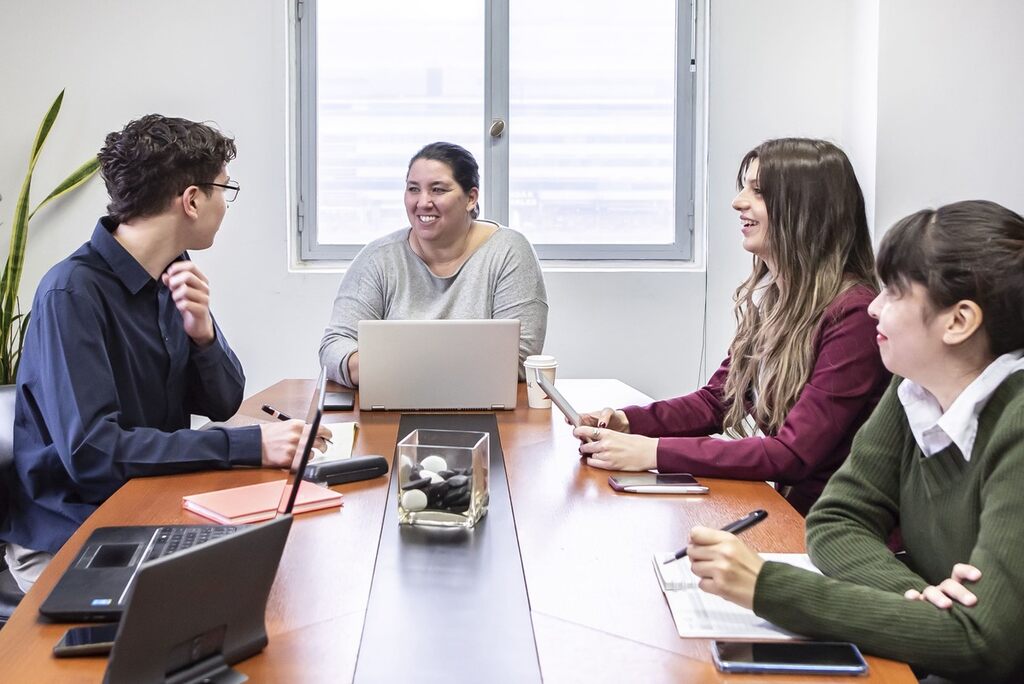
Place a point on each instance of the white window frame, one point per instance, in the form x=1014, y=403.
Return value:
x=496, y=149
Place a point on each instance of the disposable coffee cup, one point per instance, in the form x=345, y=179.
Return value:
x=539, y=363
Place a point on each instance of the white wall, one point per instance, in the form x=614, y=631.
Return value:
x=779, y=68
x=950, y=105
x=785, y=67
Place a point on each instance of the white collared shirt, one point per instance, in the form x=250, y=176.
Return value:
x=934, y=430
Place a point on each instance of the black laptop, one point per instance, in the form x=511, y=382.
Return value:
x=97, y=584
x=193, y=614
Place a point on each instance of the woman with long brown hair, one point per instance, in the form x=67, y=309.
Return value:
x=803, y=371
x=942, y=457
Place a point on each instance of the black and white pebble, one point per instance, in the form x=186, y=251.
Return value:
x=433, y=485
x=418, y=483
x=414, y=500
x=434, y=463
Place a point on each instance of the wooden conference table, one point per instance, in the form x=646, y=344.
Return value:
x=598, y=614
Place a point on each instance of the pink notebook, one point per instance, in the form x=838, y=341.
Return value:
x=253, y=503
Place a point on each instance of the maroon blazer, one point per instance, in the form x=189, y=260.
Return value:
x=846, y=382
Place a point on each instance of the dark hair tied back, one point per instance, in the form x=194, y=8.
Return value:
x=972, y=250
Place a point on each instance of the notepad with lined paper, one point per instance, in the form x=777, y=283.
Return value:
x=698, y=614
x=343, y=437
x=257, y=502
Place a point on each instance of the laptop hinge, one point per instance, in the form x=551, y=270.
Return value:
x=212, y=670
x=497, y=407
x=377, y=407
x=200, y=660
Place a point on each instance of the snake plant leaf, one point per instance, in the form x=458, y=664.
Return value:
x=19, y=229
x=44, y=129
x=12, y=350
x=15, y=258
x=16, y=355
x=3, y=286
x=14, y=324
x=77, y=177
x=11, y=359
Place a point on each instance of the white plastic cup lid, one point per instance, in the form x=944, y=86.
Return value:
x=540, y=361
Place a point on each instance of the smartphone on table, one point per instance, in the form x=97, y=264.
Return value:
x=86, y=641
x=656, y=483
x=339, y=401
x=793, y=657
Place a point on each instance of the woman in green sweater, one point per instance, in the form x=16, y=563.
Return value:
x=942, y=457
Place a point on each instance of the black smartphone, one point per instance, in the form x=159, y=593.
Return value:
x=802, y=657
x=86, y=641
x=339, y=401
x=656, y=483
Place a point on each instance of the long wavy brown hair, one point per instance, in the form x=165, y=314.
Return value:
x=818, y=239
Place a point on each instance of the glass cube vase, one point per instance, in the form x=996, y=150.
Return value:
x=443, y=478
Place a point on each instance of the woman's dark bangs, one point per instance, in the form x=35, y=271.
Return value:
x=902, y=255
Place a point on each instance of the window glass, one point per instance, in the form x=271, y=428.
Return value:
x=592, y=121
x=392, y=76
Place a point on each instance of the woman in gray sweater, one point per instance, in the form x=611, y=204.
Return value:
x=446, y=264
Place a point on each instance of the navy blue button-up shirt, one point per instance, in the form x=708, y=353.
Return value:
x=107, y=382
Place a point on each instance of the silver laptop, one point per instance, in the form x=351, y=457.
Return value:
x=448, y=364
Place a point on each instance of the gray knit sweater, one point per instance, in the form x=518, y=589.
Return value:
x=388, y=281
x=949, y=510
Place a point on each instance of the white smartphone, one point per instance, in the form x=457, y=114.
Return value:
x=656, y=483
x=797, y=657
x=557, y=399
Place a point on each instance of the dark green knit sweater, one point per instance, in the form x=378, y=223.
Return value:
x=949, y=511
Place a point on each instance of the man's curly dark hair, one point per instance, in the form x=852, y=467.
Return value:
x=154, y=159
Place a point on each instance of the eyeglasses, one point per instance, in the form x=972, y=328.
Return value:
x=230, y=189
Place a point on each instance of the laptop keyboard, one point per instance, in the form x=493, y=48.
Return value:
x=168, y=540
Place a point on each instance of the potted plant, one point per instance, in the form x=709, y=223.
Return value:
x=14, y=322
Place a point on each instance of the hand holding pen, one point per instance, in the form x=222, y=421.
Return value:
x=725, y=565
x=267, y=408
x=734, y=527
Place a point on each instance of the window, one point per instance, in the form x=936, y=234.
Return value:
x=593, y=98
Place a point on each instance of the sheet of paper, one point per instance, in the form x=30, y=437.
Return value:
x=703, y=615
x=343, y=438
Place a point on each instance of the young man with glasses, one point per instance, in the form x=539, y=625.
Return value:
x=122, y=347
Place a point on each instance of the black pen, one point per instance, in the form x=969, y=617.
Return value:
x=733, y=528
x=267, y=408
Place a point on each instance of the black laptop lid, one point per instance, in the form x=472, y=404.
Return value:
x=313, y=416
x=196, y=612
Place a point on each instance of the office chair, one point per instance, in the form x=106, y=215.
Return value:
x=10, y=594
